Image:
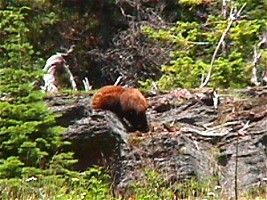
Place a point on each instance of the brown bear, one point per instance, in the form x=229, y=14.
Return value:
x=127, y=103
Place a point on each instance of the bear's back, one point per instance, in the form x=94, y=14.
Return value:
x=132, y=100
x=107, y=98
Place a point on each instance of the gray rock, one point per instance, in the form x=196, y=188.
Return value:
x=188, y=139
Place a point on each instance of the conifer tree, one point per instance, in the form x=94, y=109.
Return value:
x=28, y=134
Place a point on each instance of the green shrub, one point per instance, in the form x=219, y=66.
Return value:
x=153, y=186
x=195, y=42
x=31, y=165
x=92, y=184
x=29, y=134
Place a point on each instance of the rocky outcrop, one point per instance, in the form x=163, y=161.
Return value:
x=189, y=138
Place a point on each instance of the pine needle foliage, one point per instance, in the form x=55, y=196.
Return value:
x=29, y=136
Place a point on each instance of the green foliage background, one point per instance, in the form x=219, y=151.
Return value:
x=29, y=135
x=195, y=42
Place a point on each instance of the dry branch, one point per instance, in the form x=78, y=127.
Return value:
x=52, y=68
x=234, y=15
x=256, y=59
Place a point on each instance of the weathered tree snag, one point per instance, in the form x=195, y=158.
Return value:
x=189, y=139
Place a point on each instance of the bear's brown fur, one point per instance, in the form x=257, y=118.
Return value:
x=126, y=103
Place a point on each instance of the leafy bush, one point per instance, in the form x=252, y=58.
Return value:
x=195, y=43
x=92, y=184
x=153, y=186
